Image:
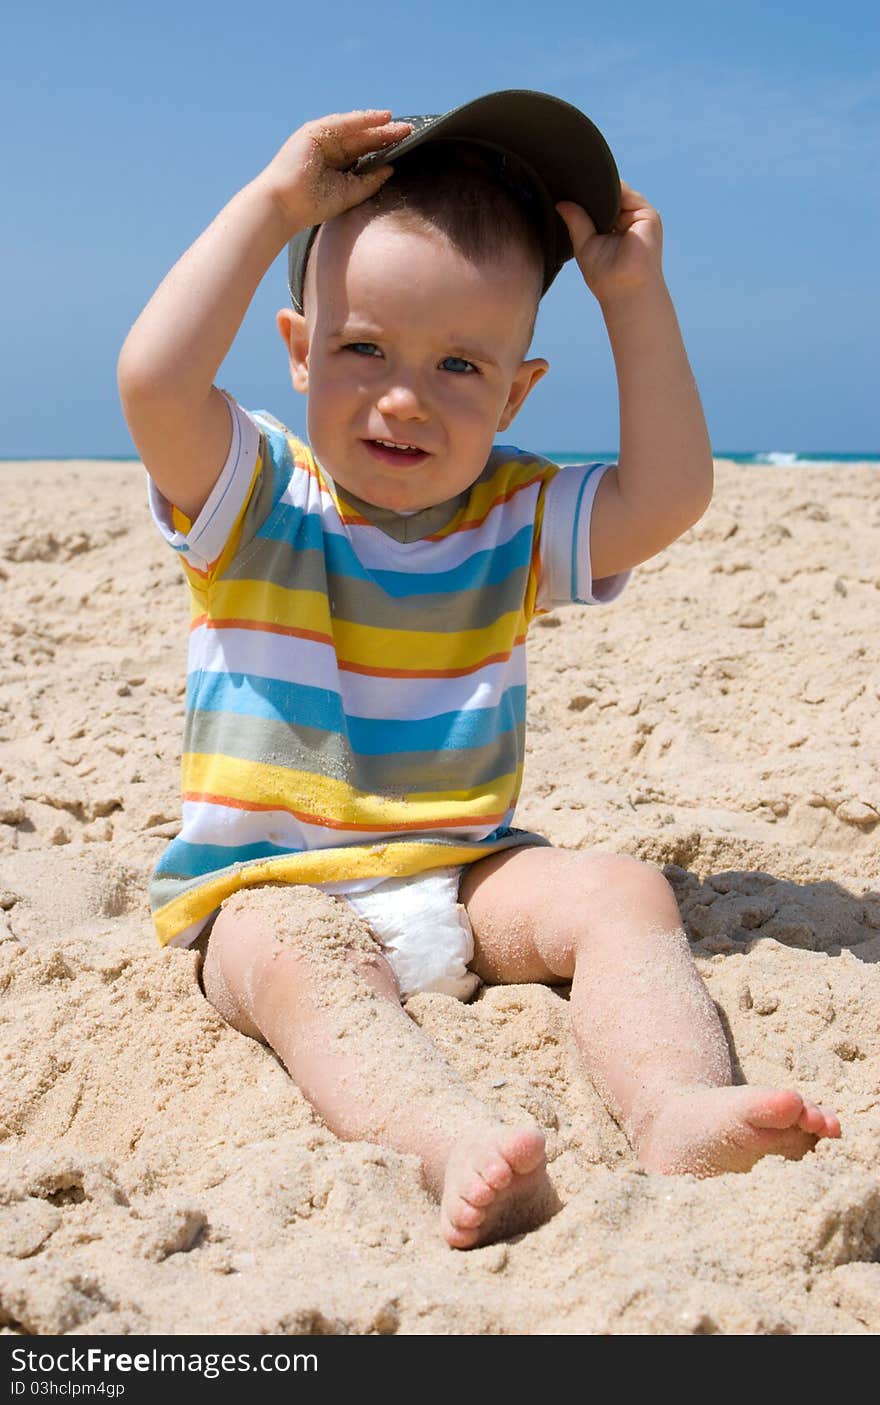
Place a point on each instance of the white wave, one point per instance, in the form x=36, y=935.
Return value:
x=782, y=460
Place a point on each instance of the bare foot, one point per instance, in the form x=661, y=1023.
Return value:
x=496, y=1184
x=705, y=1131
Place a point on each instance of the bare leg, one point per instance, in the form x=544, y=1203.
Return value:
x=301, y=971
x=649, y=1033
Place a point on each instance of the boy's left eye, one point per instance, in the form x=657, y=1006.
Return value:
x=458, y=364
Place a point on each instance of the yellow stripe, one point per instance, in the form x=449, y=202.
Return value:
x=315, y=798
x=179, y=520
x=269, y=604
x=397, y=860
x=423, y=652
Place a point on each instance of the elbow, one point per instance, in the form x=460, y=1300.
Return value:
x=131, y=379
x=700, y=507
x=128, y=379
x=702, y=488
x=142, y=391
x=141, y=374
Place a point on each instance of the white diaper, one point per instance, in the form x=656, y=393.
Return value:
x=424, y=931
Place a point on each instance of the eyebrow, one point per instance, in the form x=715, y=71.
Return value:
x=348, y=329
x=472, y=353
x=365, y=331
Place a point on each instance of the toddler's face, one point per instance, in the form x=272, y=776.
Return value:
x=412, y=357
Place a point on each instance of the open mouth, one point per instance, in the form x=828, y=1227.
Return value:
x=389, y=451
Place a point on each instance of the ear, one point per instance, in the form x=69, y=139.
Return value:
x=528, y=375
x=295, y=335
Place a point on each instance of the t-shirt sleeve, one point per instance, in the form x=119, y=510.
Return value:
x=201, y=543
x=566, y=571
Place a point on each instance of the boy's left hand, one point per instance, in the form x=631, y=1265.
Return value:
x=627, y=259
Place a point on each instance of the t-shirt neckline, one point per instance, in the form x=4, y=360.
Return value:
x=412, y=527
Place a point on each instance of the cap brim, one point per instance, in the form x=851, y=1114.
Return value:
x=564, y=150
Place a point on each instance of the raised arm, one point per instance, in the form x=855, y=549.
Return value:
x=178, y=419
x=663, y=481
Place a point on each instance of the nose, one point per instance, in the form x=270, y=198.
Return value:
x=402, y=400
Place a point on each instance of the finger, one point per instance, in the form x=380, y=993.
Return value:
x=366, y=183
x=576, y=220
x=374, y=138
x=352, y=121
x=350, y=126
x=630, y=199
x=633, y=202
x=343, y=145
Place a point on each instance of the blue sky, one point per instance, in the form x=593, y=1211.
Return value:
x=753, y=127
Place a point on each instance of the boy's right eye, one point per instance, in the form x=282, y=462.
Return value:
x=362, y=348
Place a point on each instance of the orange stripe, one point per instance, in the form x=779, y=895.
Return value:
x=262, y=626
x=257, y=806
x=473, y=522
x=203, y=575
x=428, y=672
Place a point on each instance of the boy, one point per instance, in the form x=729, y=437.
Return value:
x=355, y=711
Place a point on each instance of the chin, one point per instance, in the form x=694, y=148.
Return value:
x=396, y=502
x=392, y=497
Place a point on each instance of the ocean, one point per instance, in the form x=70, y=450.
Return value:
x=775, y=458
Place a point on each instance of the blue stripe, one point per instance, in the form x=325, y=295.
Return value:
x=250, y=695
x=185, y=860
x=298, y=705
x=483, y=568
x=281, y=457
x=294, y=526
x=574, y=536
x=448, y=731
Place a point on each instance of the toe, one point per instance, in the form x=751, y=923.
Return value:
x=465, y=1216
x=815, y=1119
x=497, y=1174
x=459, y=1238
x=812, y=1119
x=525, y=1151
x=832, y=1124
x=775, y=1109
x=479, y=1193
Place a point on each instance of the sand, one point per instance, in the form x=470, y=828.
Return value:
x=160, y=1172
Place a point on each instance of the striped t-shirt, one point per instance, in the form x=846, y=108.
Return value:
x=356, y=689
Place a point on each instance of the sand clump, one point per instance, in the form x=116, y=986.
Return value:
x=161, y=1174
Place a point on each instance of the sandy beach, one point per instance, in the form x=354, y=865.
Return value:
x=160, y=1173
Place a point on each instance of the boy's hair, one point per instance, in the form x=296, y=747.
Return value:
x=482, y=199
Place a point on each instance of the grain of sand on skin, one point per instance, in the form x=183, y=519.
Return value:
x=161, y=1173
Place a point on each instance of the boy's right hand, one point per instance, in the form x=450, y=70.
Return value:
x=310, y=179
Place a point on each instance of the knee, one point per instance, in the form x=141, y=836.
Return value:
x=250, y=932
x=610, y=891
x=222, y=976
x=620, y=875
x=309, y=931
